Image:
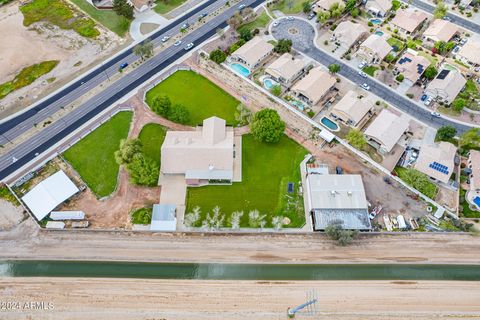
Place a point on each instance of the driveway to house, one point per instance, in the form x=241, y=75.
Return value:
x=174, y=191
x=302, y=34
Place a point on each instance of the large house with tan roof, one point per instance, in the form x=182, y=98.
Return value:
x=469, y=54
x=378, y=8
x=409, y=21
x=440, y=30
x=204, y=156
x=437, y=160
x=446, y=86
x=324, y=5
x=286, y=69
x=474, y=165
x=353, y=110
x=314, y=86
x=374, y=49
x=252, y=53
x=386, y=130
x=348, y=34
x=412, y=66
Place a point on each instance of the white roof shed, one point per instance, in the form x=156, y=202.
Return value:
x=48, y=194
x=164, y=217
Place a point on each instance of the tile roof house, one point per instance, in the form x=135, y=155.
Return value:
x=253, y=52
x=469, y=53
x=386, y=130
x=334, y=198
x=446, y=86
x=437, y=160
x=141, y=5
x=352, y=110
x=408, y=21
x=324, y=5
x=474, y=165
x=314, y=86
x=204, y=155
x=374, y=49
x=348, y=33
x=440, y=30
x=378, y=8
x=412, y=66
x=286, y=69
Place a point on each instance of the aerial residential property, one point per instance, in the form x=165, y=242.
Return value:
x=386, y=130
x=412, y=66
x=347, y=34
x=468, y=54
x=437, y=160
x=446, y=86
x=323, y=5
x=353, y=110
x=408, y=22
x=440, y=30
x=374, y=49
x=474, y=166
x=286, y=69
x=314, y=86
x=379, y=8
x=253, y=52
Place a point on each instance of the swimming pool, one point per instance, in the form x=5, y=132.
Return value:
x=376, y=21
x=329, y=124
x=379, y=33
x=269, y=83
x=476, y=200
x=240, y=69
x=298, y=104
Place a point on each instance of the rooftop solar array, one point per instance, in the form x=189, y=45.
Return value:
x=403, y=60
x=439, y=167
x=420, y=68
x=443, y=74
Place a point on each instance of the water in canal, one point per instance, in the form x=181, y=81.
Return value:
x=238, y=271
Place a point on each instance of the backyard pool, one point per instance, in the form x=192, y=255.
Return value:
x=329, y=124
x=379, y=33
x=240, y=69
x=376, y=21
x=476, y=200
x=298, y=104
x=269, y=83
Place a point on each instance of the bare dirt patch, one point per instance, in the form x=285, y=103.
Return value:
x=10, y=215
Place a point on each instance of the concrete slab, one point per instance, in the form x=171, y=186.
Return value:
x=237, y=160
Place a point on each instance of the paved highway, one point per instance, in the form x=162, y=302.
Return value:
x=462, y=22
x=56, y=131
x=303, y=42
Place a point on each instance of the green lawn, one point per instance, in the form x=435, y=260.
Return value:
x=27, y=76
x=266, y=171
x=288, y=6
x=164, y=6
x=93, y=156
x=201, y=97
x=141, y=216
x=152, y=136
x=260, y=22
x=370, y=70
x=425, y=186
x=396, y=44
x=59, y=13
x=116, y=23
x=467, y=212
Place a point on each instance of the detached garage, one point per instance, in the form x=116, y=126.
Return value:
x=48, y=194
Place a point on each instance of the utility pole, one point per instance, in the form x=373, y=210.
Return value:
x=309, y=305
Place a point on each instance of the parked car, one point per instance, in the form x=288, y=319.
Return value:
x=362, y=65
x=428, y=101
x=203, y=15
x=185, y=25
x=447, y=18
x=463, y=41
x=123, y=65
x=311, y=15
x=362, y=74
x=165, y=38
x=365, y=86
x=435, y=114
x=241, y=7
x=290, y=18
x=424, y=97
x=189, y=46
x=338, y=170
x=275, y=23
x=455, y=50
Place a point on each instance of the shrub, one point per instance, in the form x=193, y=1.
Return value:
x=370, y=23
x=283, y=46
x=395, y=31
x=336, y=232
x=141, y=216
x=276, y=90
x=267, y=126
x=400, y=77
x=410, y=95
x=218, y=56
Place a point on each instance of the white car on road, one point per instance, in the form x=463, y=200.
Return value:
x=290, y=18
x=275, y=23
x=179, y=42
x=164, y=39
x=435, y=114
x=362, y=74
x=362, y=65
x=189, y=46
x=365, y=86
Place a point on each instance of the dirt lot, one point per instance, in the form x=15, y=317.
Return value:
x=10, y=215
x=23, y=46
x=185, y=299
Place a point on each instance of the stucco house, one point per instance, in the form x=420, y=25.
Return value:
x=252, y=53
x=412, y=66
x=314, y=86
x=408, y=22
x=440, y=30
x=378, y=8
x=446, y=86
x=353, y=110
x=469, y=54
x=386, y=130
x=374, y=49
x=437, y=160
x=347, y=34
x=286, y=69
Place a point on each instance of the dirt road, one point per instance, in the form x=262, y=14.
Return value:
x=125, y=299
x=26, y=242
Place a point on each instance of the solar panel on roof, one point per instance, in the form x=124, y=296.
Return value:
x=439, y=167
x=420, y=68
x=404, y=59
x=443, y=74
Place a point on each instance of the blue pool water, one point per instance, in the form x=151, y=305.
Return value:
x=376, y=21
x=298, y=104
x=379, y=33
x=238, y=68
x=329, y=124
x=269, y=83
x=476, y=200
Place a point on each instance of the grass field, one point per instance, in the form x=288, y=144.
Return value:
x=152, y=136
x=266, y=171
x=93, y=156
x=201, y=97
x=59, y=13
x=164, y=6
x=260, y=22
x=370, y=70
x=288, y=6
x=27, y=76
x=114, y=22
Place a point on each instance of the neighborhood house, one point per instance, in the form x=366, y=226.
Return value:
x=386, y=130
x=446, y=86
x=378, y=8
x=353, y=110
x=437, y=160
x=440, y=30
x=324, y=5
x=412, y=66
x=314, y=86
x=374, y=49
x=474, y=165
x=286, y=69
x=469, y=53
x=348, y=33
x=204, y=156
x=252, y=53
x=408, y=21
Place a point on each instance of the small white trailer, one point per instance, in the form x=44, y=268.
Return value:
x=55, y=225
x=67, y=215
